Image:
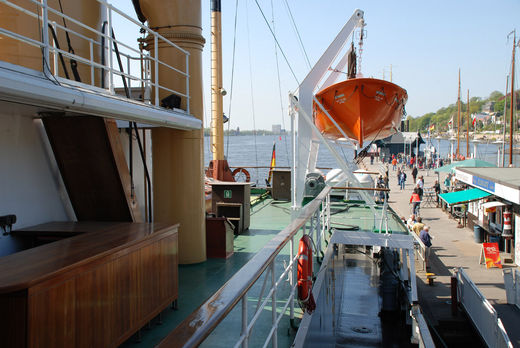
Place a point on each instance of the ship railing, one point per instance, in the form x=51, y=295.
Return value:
x=145, y=75
x=420, y=249
x=512, y=285
x=314, y=220
x=481, y=312
x=420, y=330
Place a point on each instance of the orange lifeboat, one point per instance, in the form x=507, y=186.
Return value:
x=364, y=108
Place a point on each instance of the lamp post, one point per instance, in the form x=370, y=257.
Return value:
x=452, y=142
x=439, y=150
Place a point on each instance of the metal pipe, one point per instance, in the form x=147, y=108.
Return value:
x=273, y=309
x=244, y=322
x=45, y=35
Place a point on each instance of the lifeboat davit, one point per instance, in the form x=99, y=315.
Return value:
x=365, y=109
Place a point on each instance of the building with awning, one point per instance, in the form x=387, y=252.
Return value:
x=499, y=213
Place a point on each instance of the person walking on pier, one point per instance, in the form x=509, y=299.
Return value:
x=414, y=174
x=437, y=189
x=415, y=200
x=402, y=179
x=427, y=240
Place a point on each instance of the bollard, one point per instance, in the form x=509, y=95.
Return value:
x=454, y=300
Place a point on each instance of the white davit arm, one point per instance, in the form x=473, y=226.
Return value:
x=307, y=149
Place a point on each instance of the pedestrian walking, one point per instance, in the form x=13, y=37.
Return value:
x=414, y=174
x=415, y=200
x=427, y=241
x=437, y=189
x=403, y=180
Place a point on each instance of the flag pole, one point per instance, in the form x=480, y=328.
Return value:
x=467, y=129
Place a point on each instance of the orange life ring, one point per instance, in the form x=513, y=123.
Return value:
x=305, y=274
x=241, y=170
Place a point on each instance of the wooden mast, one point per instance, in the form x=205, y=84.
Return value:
x=467, y=129
x=511, y=126
x=458, y=120
x=218, y=167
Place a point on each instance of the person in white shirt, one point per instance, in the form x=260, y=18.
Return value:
x=411, y=221
x=420, y=182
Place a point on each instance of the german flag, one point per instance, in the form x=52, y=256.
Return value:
x=273, y=164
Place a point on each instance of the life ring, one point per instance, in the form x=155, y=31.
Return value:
x=241, y=170
x=305, y=274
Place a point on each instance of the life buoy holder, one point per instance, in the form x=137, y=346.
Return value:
x=305, y=297
x=237, y=171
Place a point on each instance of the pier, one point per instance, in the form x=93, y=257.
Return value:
x=452, y=247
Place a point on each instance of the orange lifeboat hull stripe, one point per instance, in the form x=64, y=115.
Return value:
x=365, y=109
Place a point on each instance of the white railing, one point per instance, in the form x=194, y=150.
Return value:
x=420, y=330
x=314, y=221
x=144, y=77
x=420, y=249
x=512, y=285
x=481, y=312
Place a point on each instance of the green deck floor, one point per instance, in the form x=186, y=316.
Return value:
x=197, y=282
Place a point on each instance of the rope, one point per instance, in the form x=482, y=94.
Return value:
x=73, y=63
x=252, y=90
x=302, y=47
x=277, y=43
x=232, y=76
x=279, y=85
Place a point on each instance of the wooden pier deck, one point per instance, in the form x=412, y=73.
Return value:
x=452, y=247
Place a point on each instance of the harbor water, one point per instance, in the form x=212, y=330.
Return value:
x=255, y=151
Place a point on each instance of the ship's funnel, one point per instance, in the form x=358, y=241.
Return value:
x=178, y=155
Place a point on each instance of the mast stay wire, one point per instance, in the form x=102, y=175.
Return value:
x=302, y=47
x=279, y=86
x=277, y=43
x=232, y=78
x=252, y=90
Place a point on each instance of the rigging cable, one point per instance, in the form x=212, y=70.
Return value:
x=279, y=86
x=277, y=43
x=73, y=62
x=297, y=34
x=252, y=91
x=232, y=77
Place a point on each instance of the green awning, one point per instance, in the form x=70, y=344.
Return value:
x=472, y=162
x=463, y=196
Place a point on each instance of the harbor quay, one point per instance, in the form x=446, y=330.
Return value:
x=453, y=246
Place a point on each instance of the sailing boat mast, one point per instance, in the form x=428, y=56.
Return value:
x=458, y=120
x=218, y=167
x=467, y=129
x=504, y=124
x=511, y=126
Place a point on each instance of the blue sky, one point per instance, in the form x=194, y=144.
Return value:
x=426, y=42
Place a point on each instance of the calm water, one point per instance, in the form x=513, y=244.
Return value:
x=251, y=151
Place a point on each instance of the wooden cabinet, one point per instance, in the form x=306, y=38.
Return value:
x=92, y=290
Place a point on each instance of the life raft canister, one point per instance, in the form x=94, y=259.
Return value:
x=305, y=274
